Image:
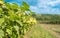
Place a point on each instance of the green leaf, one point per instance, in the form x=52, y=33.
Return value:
x=1, y=10
x=14, y=6
x=8, y=31
x=1, y=21
x=1, y=33
x=8, y=6
x=20, y=23
x=25, y=5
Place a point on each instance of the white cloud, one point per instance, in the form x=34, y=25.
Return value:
x=45, y=7
x=54, y=3
x=39, y=10
x=47, y=3
x=34, y=8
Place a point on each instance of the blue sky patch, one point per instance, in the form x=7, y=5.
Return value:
x=41, y=6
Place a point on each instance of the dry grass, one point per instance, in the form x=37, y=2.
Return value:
x=53, y=28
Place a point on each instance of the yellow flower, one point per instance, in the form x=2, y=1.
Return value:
x=31, y=20
x=34, y=20
x=19, y=15
x=1, y=2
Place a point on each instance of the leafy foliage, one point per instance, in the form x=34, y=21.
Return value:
x=16, y=20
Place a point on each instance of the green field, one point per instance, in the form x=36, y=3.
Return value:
x=37, y=31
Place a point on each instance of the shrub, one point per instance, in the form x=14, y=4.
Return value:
x=16, y=20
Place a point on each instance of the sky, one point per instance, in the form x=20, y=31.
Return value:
x=41, y=6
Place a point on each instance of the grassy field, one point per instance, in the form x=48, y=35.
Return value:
x=37, y=31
